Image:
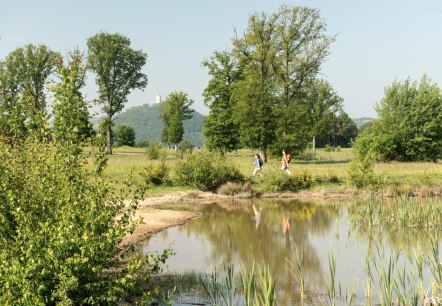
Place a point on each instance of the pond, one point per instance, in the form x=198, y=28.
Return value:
x=272, y=234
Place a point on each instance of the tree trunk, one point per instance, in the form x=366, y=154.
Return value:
x=264, y=155
x=109, y=141
x=314, y=146
x=176, y=147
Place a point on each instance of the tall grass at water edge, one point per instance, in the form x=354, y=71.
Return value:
x=402, y=212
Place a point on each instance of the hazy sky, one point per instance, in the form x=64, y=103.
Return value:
x=377, y=41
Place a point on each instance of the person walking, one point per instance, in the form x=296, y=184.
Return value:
x=285, y=162
x=258, y=165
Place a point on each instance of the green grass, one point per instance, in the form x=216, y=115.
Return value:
x=329, y=169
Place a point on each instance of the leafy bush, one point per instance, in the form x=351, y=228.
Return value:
x=154, y=151
x=206, y=171
x=61, y=226
x=361, y=173
x=329, y=148
x=184, y=148
x=409, y=125
x=155, y=174
x=297, y=181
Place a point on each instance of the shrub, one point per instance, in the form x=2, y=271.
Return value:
x=61, y=226
x=184, y=148
x=330, y=177
x=409, y=126
x=206, y=171
x=361, y=173
x=329, y=148
x=232, y=189
x=154, y=151
x=297, y=181
x=155, y=174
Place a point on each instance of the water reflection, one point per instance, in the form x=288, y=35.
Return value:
x=270, y=233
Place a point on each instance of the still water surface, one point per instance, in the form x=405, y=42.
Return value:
x=270, y=233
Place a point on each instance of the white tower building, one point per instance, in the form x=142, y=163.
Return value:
x=158, y=99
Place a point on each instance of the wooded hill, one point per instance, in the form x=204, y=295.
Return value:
x=145, y=119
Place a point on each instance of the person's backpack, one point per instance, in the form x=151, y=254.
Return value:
x=261, y=162
x=289, y=158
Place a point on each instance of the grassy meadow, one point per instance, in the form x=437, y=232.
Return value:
x=329, y=170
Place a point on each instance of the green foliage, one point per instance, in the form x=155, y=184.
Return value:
x=118, y=71
x=361, y=173
x=278, y=54
x=155, y=174
x=104, y=126
x=124, y=136
x=409, y=127
x=254, y=111
x=23, y=75
x=154, y=151
x=60, y=229
x=220, y=127
x=283, y=182
x=71, y=116
x=175, y=109
x=206, y=171
x=184, y=148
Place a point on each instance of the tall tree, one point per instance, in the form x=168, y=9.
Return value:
x=23, y=75
x=302, y=47
x=175, y=109
x=256, y=53
x=323, y=104
x=220, y=128
x=118, y=69
x=71, y=116
x=279, y=54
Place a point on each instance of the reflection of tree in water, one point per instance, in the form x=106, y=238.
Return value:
x=232, y=231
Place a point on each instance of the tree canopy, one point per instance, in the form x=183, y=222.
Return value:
x=272, y=62
x=175, y=109
x=409, y=124
x=118, y=71
x=220, y=127
x=23, y=75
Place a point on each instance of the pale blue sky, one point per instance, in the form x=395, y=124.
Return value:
x=377, y=42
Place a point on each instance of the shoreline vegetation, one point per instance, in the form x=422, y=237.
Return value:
x=167, y=205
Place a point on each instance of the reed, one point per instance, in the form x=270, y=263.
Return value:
x=230, y=287
x=248, y=285
x=267, y=285
x=331, y=282
x=212, y=287
x=299, y=265
x=434, y=263
x=402, y=212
